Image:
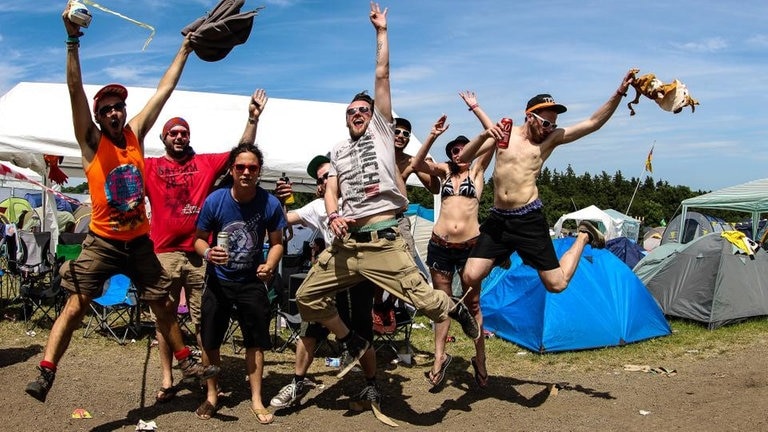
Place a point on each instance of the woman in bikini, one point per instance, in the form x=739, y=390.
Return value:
x=453, y=235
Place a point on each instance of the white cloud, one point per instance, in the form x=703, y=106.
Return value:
x=706, y=45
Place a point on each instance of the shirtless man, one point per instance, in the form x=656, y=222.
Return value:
x=516, y=221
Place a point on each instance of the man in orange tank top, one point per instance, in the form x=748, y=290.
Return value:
x=118, y=240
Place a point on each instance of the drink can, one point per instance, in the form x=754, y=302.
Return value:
x=333, y=362
x=222, y=240
x=506, y=131
x=290, y=199
x=79, y=14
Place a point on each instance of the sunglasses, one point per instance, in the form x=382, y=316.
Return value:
x=456, y=150
x=322, y=179
x=546, y=124
x=182, y=133
x=360, y=109
x=242, y=167
x=106, y=109
x=402, y=132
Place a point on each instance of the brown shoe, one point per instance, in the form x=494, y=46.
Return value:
x=192, y=368
x=596, y=238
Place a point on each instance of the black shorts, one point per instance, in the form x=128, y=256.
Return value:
x=447, y=257
x=528, y=234
x=252, y=312
x=354, y=306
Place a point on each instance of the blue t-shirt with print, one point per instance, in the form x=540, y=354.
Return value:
x=246, y=224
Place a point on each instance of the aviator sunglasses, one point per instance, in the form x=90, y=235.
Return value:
x=322, y=178
x=106, y=109
x=355, y=110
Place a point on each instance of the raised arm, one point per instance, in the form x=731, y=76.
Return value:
x=86, y=132
x=145, y=119
x=481, y=144
x=382, y=95
x=470, y=99
x=255, y=108
x=598, y=119
x=419, y=162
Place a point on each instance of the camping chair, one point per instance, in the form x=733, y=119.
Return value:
x=392, y=324
x=116, y=308
x=39, y=282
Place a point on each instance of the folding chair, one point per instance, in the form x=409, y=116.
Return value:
x=115, y=311
x=39, y=282
x=392, y=324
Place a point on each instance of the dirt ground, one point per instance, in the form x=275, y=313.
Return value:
x=723, y=390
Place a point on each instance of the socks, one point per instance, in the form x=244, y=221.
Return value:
x=48, y=365
x=182, y=354
x=298, y=378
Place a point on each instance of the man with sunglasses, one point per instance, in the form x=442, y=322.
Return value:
x=177, y=185
x=354, y=304
x=118, y=241
x=516, y=221
x=367, y=243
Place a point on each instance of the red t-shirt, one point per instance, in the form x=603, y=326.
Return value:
x=176, y=192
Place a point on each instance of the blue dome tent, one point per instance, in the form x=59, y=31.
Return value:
x=604, y=305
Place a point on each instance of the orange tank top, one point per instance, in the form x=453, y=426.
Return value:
x=116, y=184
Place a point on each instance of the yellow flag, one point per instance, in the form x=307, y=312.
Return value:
x=648, y=165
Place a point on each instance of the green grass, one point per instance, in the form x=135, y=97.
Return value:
x=688, y=340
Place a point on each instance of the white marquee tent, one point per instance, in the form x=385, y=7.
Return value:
x=290, y=133
x=611, y=227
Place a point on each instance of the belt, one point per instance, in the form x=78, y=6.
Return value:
x=519, y=211
x=469, y=244
x=121, y=244
x=399, y=215
x=367, y=236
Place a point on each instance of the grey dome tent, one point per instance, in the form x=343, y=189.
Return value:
x=696, y=225
x=708, y=280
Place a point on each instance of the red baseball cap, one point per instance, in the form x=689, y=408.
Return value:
x=110, y=89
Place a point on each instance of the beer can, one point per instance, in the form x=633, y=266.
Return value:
x=333, y=362
x=79, y=14
x=222, y=240
x=506, y=130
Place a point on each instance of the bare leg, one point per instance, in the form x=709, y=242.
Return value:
x=556, y=280
x=213, y=357
x=166, y=355
x=61, y=334
x=254, y=364
x=167, y=324
x=441, y=281
x=305, y=354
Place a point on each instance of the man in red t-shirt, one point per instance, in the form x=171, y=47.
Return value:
x=177, y=184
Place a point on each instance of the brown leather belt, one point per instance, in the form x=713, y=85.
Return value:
x=469, y=244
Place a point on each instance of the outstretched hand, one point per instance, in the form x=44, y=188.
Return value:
x=440, y=126
x=628, y=79
x=258, y=101
x=73, y=30
x=378, y=17
x=469, y=97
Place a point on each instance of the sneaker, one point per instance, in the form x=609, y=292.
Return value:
x=192, y=368
x=370, y=393
x=39, y=388
x=290, y=395
x=461, y=314
x=596, y=238
x=354, y=348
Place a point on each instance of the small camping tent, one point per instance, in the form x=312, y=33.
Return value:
x=696, y=225
x=611, y=227
x=629, y=228
x=750, y=197
x=707, y=280
x=605, y=304
x=626, y=250
x=652, y=238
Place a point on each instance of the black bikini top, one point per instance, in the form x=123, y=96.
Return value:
x=466, y=188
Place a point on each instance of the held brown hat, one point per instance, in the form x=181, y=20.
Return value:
x=544, y=101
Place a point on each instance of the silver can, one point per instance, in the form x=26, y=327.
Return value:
x=222, y=240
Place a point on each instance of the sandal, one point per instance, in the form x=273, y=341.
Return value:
x=206, y=410
x=263, y=413
x=435, y=379
x=481, y=380
x=165, y=394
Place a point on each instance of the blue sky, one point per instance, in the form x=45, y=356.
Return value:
x=506, y=51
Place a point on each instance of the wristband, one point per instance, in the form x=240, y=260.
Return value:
x=73, y=40
x=333, y=216
x=206, y=253
x=252, y=120
x=473, y=106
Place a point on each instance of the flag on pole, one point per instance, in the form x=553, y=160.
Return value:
x=648, y=165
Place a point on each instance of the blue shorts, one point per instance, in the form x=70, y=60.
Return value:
x=447, y=257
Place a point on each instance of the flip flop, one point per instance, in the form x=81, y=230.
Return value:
x=205, y=411
x=436, y=379
x=263, y=412
x=481, y=380
x=165, y=394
